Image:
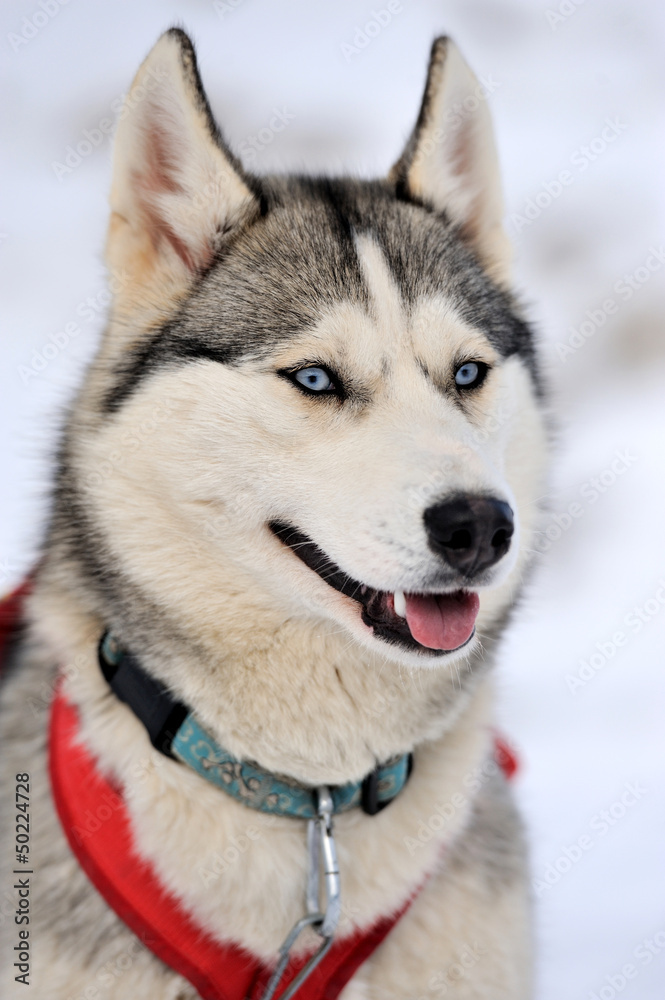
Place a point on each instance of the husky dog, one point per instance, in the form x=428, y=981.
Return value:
x=300, y=483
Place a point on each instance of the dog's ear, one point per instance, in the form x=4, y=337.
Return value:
x=177, y=191
x=450, y=161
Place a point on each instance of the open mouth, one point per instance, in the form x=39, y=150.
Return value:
x=439, y=623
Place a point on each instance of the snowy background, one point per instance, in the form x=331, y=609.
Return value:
x=577, y=88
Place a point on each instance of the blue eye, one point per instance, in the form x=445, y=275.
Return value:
x=314, y=379
x=470, y=374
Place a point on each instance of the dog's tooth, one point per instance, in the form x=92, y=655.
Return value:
x=400, y=603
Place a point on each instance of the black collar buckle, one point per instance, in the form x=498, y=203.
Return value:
x=369, y=795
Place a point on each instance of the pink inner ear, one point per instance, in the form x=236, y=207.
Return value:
x=462, y=155
x=160, y=160
x=157, y=175
x=461, y=149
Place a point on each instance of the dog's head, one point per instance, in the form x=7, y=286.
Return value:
x=318, y=392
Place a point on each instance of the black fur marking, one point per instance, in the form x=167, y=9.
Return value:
x=191, y=71
x=164, y=348
x=401, y=169
x=273, y=280
x=375, y=613
x=277, y=278
x=337, y=389
x=427, y=256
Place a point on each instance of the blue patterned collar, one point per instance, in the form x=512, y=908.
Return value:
x=175, y=731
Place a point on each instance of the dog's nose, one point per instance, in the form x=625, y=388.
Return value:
x=470, y=532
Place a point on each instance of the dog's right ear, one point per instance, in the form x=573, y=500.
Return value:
x=177, y=191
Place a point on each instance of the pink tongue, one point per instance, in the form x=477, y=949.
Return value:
x=441, y=621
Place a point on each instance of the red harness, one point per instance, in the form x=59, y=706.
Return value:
x=97, y=825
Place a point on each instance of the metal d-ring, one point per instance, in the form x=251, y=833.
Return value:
x=311, y=920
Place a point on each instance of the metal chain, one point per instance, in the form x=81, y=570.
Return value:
x=322, y=854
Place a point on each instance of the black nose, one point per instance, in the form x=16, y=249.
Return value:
x=471, y=533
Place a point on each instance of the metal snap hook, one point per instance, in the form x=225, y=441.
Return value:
x=323, y=825
x=322, y=853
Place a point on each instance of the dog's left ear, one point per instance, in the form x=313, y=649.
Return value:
x=450, y=161
x=177, y=193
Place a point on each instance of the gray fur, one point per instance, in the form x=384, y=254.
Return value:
x=276, y=276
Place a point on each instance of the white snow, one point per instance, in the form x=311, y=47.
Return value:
x=556, y=87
